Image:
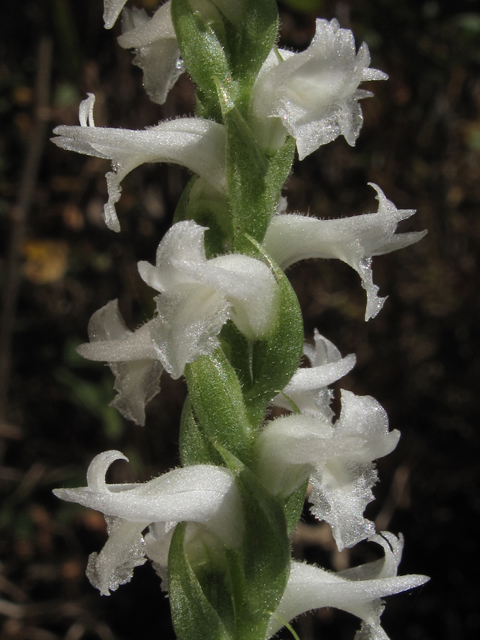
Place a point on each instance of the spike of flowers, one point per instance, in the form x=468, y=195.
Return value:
x=217, y=528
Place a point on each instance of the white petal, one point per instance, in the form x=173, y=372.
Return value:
x=131, y=356
x=123, y=551
x=156, y=49
x=386, y=567
x=363, y=416
x=342, y=488
x=309, y=588
x=157, y=547
x=353, y=240
x=308, y=387
x=315, y=93
x=290, y=448
x=195, y=143
x=85, y=111
x=203, y=493
x=199, y=295
x=340, y=492
x=187, y=326
x=247, y=284
x=183, y=242
x=112, y=9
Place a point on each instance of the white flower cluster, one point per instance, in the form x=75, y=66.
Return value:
x=314, y=97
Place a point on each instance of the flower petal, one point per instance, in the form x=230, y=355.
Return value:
x=342, y=488
x=354, y=240
x=123, y=551
x=315, y=93
x=131, y=356
x=194, y=143
x=201, y=493
x=290, y=448
x=111, y=10
x=202, y=294
x=156, y=49
x=187, y=326
x=309, y=588
x=307, y=388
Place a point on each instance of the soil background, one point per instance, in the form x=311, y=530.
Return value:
x=420, y=143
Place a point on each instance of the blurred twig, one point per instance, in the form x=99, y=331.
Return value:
x=19, y=214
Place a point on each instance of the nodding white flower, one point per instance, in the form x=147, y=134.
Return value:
x=337, y=458
x=356, y=591
x=156, y=49
x=354, y=240
x=194, y=143
x=131, y=356
x=308, y=388
x=197, y=297
x=315, y=93
x=204, y=494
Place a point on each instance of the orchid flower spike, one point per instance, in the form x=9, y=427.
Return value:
x=156, y=49
x=315, y=94
x=308, y=388
x=203, y=494
x=354, y=240
x=194, y=143
x=197, y=297
x=338, y=459
x=356, y=591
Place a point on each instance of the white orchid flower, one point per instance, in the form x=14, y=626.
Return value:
x=197, y=297
x=131, y=356
x=315, y=93
x=203, y=494
x=308, y=388
x=338, y=460
x=356, y=591
x=354, y=240
x=156, y=49
x=194, y=143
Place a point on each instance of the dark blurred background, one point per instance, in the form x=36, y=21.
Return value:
x=420, y=143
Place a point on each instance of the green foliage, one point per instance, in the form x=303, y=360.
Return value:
x=217, y=400
x=195, y=448
x=275, y=360
x=193, y=616
x=260, y=573
x=256, y=35
x=201, y=39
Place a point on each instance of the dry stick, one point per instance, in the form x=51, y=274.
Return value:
x=18, y=216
